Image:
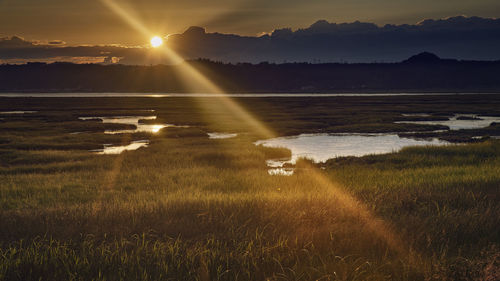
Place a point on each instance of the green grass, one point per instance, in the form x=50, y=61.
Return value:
x=191, y=208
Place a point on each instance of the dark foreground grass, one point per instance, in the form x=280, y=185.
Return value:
x=191, y=208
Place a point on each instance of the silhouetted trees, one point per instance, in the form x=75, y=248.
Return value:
x=423, y=73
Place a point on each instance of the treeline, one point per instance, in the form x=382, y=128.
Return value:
x=421, y=73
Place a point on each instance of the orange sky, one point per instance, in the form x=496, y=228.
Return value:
x=90, y=22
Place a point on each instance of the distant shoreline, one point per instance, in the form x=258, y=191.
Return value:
x=241, y=95
x=424, y=73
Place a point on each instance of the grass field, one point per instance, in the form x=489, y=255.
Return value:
x=192, y=208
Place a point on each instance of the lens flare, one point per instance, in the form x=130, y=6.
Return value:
x=193, y=76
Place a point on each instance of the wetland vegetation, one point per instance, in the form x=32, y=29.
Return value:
x=193, y=207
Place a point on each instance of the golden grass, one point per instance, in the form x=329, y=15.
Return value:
x=191, y=208
x=185, y=208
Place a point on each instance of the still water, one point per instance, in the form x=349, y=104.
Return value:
x=221, y=135
x=455, y=122
x=110, y=149
x=244, y=95
x=17, y=112
x=321, y=147
x=131, y=120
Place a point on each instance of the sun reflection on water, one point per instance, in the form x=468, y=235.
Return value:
x=156, y=128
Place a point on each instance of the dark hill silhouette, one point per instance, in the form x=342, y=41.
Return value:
x=424, y=72
x=424, y=57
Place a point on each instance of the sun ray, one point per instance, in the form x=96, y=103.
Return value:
x=125, y=15
x=191, y=75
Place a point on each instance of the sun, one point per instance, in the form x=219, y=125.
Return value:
x=156, y=42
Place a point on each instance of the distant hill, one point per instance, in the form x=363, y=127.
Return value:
x=424, y=72
x=424, y=57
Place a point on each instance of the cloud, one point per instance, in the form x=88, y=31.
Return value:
x=14, y=42
x=57, y=42
x=111, y=60
x=18, y=50
x=461, y=37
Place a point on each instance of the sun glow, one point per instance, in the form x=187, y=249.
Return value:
x=189, y=73
x=156, y=42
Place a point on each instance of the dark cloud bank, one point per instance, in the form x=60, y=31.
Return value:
x=467, y=38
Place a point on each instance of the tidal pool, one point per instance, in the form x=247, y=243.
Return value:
x=132, y=120
x=281, y=171
x=221, y=135
x=321, y=147
x=469, y=121
x=110, y=149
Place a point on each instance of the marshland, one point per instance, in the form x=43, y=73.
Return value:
x=194, y=199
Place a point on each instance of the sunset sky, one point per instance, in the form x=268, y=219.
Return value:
x=91, y=22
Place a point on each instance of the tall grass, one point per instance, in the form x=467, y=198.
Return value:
x=191, y=208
